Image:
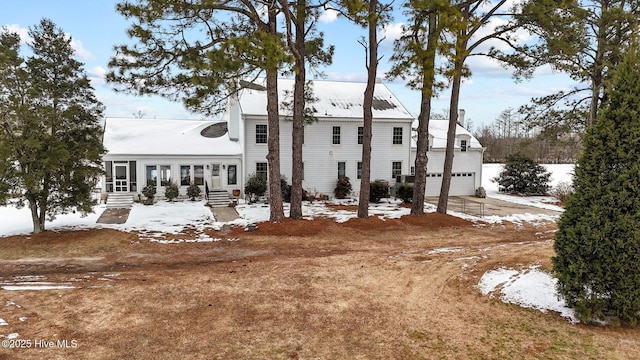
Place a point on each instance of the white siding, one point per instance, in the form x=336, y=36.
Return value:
x=467, y=172
x=175, y=162
x=321, y=157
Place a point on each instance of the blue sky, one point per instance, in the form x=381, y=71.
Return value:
x=96, y=27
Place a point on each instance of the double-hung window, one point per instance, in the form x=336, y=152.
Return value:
x=261, y=134
x=335, y=138
x=342, y=169
x=396, y=169
x=261, y=169
x=397, y=136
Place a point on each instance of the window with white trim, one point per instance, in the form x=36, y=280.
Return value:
x=397, y=136
x=261, y=169
x=261, y=134
x=396, y=169
x=335, y=138
x=342, y=169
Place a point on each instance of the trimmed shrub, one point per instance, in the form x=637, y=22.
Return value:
x=171, y=191
x=523, y=175
x=256, y=186
x=149, y=193
x=378, y=189
x=343, y=188
x=193, y=191
x=405, y=192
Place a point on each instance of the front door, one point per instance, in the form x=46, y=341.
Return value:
x=121, y=178
x=215, y=176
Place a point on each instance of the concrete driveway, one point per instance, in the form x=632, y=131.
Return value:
x=489, y=207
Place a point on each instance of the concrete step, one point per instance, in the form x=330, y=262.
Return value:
x=119, y=200
x=219, y=198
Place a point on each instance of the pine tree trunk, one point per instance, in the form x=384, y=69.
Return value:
x=428, y=81
x=443, y=200
x=38, y=222
x=273, y=156
x=298, y=113
x=367, y=104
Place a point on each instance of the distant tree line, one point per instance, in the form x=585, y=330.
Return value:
x=510, y=134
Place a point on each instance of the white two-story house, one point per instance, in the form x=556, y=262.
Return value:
x=221, y=155
x=333, y=143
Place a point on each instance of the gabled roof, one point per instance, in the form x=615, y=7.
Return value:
x=167, y=137
x=438, y=129
x=335, y=99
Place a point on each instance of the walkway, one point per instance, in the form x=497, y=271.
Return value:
x=114, y=216
x=224, y=213
x=492, y=207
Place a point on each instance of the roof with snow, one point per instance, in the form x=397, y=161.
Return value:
x=335, y=99
x=438, y=129
x=167, y=137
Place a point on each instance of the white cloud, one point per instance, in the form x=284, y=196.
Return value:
x=328, y=16
x=392, y=31
x=21, y=31
x=356, y=76
x=77, y=47
x=97, y=75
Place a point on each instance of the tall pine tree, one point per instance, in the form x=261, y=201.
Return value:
x=598, y=238
x=50, y=133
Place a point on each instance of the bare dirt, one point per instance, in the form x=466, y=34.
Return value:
x=364, y=289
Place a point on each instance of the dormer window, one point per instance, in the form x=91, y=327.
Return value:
x=463, y=145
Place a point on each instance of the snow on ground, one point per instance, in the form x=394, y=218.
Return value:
x=559, y=173
x=530, y=288
x=386, y=209
x=161, y=218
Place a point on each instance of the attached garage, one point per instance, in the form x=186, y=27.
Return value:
x=461, y=184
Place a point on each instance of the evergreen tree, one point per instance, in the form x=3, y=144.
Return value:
x=598, y=238
x=200, y=52
x=523, y=175
x=50, y=135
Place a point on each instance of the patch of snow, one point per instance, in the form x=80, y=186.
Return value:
x=3, y=322
x=23, y=319
x=531, y=288
x=521, y=218
x=11, y=303
x=18, y=221
x=445, y=250
x=36, y=286
x=559, y=173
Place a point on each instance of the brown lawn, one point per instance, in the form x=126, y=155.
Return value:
x=365, y=289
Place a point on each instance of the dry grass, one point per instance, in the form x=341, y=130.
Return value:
x=365, y=289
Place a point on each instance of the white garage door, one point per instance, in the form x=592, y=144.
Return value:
x=461, y=184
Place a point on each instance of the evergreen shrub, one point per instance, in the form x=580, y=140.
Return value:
x=193, y=191
x=405, y=192
x=343, y=187
x=378, y=189
x=523, y=175
x=256, y=186
x=171, y=191
x=597, y=244
x=149, y=193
